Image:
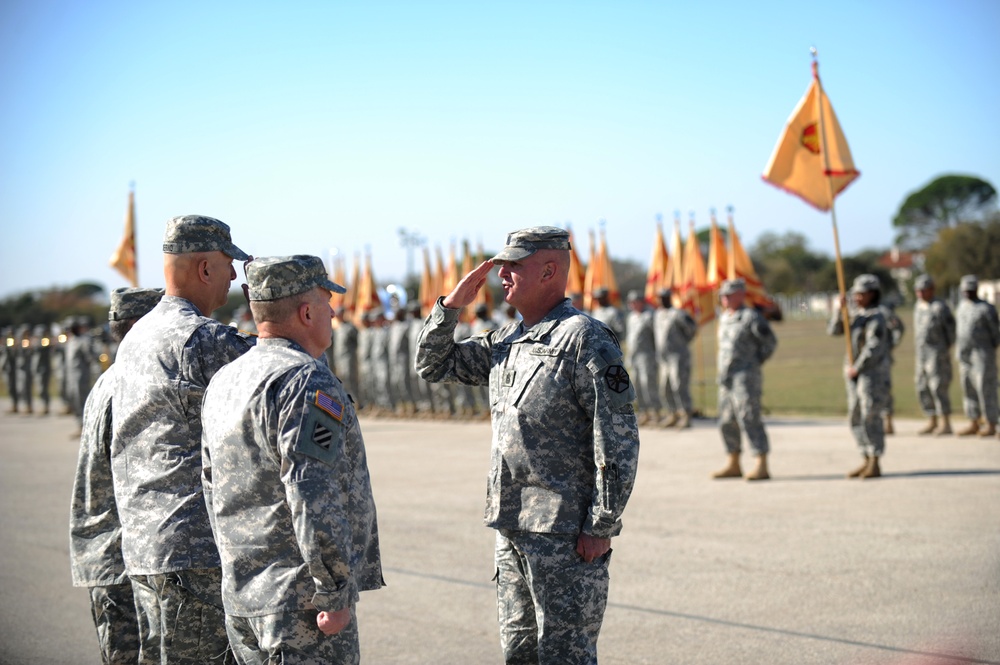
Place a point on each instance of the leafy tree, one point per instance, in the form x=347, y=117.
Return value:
x=786, y=264
x=965, y=249
x=943, y=203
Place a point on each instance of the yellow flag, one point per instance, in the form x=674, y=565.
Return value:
x=696, y=292
x=575, y=284
x=799, y=165
x=123, y=260
x=659, y=263
x=740, y=265
x=717, y=258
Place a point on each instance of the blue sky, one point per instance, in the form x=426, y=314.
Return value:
x=326, y=126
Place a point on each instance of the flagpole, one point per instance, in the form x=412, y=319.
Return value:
x=833, y=211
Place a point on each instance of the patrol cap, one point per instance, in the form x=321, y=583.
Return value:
x=196, y=233
x=969, y=283
x=731, y=286
x=923, y=282
x=522, y=244
x=664, y=293
x=865, y=283
x=132, y=303
x=276, y=277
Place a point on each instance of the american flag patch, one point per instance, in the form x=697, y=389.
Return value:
x=330, y=405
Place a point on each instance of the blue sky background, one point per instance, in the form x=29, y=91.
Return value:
x=326, y=126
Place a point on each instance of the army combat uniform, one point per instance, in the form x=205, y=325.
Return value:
x=934, y=335
x=640, y=358
x=564, y=457
x=673, y=330
x=978, y=338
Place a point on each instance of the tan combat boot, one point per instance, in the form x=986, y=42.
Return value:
x=991, y=430
x=929, y=427
x=685, y=420
x=872, y=470
x=945, y=426
x=888, y=428
x=732, y=470
x=856, y=473
x=760, y=473
x=669, y=420
x=971, y=430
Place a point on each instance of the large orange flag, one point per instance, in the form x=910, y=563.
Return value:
x=605, y=275
x=740, y=265
x=428, y=295
x=696, y=293
x=798, y=164
x=675, y=274
x=588, y=276
x=367, y=291
x=351, y=297
x=577, y=275
x=123, y=260
x=718, y=262
x=338, y=277
x=659, y=264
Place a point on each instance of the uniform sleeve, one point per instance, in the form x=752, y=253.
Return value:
x=441, y=359
x=875, y=346
x=896, y=329
x=947, y=324
x=767, y=341
x=688, y=327
x=212, y=347
x=314, y=423
x=835, y=326
x=609, y=395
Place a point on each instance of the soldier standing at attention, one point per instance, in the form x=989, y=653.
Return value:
x=286, y=479
x=41, y=366
x=607, y=313
x=896, y=331
x=164, y=366
x=640, y=357
x=865, y=377
x=565, y=445
x=745, y=342
x=978, y=338
x=9, y=352
x=673, y=330
x=934, y=334
x=345, y=352
x=95, y=531
x=25, y=375
x=80, y=357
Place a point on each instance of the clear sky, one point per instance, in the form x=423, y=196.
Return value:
x=314, y=127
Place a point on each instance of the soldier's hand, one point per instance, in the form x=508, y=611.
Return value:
x=332, y=623
x=465, y=291
x=590, y=547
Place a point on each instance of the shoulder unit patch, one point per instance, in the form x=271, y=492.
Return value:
x=616, y=378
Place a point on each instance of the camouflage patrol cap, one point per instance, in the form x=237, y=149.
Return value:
x=865, y=283
x=923, y=282
x=187, y=234
x=132, y=303
x=731, y=286
x=522, y=244
x=276, y=277
x=969, y=283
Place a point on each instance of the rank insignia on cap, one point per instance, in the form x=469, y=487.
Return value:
x=617, y=378
x=330, y=405
x=322, y=436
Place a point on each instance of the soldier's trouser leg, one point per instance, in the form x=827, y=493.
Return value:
x=744, y=400
x=192, y=623
x=970, y=393
x=292, y=638
x=864, y=408
x=645, y=383
x=925, y=395
x=680, y=372
x=113, y=610
x=939, y=382
x=549, y=601
x=667, y=393
x=988, y=391
x=729, y=426
x=25, y=389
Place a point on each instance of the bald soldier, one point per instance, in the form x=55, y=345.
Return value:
x=95, y=532
x=565, y=445
x=286, y=479
x=165, y=364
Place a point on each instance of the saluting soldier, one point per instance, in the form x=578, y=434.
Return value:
x=934, y=335
x=978, y=338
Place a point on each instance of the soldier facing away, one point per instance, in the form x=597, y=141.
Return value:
x=286, y=479
x=565, y=445
x=978, y=334
x=934, y=335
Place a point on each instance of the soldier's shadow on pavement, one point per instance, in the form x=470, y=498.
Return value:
x=928, y=473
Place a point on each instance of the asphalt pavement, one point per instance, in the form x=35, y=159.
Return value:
x=809, y=567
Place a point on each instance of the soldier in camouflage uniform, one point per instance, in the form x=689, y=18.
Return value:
x=401, y=363
x=565, y=445
x=165, y=364
x=745, y=342
x=79, y=362
x=9, y=364
x=896, y=331
x=607, y=313
x=41, y=366
x=95, y=533
x=286, y=480
x=865, y=376
x=345, y=352
x=978, y=338
x=673, y=330
x=25, y=377
x=934, y=335
x=640, y=357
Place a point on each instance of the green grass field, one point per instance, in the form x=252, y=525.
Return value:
x=805, y=374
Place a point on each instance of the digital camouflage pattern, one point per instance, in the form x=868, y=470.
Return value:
x=132, y=303
x=525, y=242
x=276, y=277
x=866, y=398
x=640, y=357
x=113, y=610
x=934, y=335
x=291, y=638
x=896, y=331
x=978, y=335
x=746, y=341
x=673, y=330
x=286, y=478
x=95, y=532
x=165, y=364
x=565, y=441
x=345, y=356
x=612, y=317
x=187, y=234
